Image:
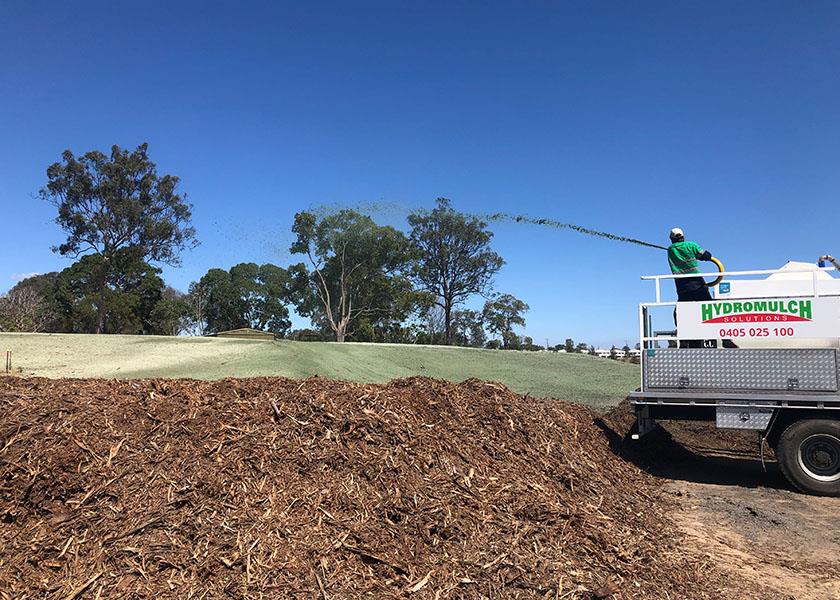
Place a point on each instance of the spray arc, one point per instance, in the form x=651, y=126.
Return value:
x=506, y=217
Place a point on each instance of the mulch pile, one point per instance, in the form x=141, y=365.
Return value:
x=275, y=488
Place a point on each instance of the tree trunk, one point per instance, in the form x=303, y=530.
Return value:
x=100, y=309
x=339, y=334
x=447, y=322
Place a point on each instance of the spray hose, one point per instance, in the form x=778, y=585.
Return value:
x=720, y=277
x=828, y=258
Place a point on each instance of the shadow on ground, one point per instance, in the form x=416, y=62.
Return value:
x=698, y=453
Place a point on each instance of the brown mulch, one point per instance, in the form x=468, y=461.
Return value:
x=276, y=488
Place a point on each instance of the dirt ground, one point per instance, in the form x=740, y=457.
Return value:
x=750, y=523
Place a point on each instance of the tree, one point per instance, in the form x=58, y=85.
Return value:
x=196, y=305
x=111, y=204
x=528, y=344
x=133, y=294
x=24, y=307
x=249, y=295
x=356, y=269
x=582, y=348
x=468, y=328
x=511, y=341
x=430, y=322
x=502, y=313
x=170, y=316
x=569, y=345
x=454, y=260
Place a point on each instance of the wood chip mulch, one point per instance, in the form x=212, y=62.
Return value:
x=277, y=488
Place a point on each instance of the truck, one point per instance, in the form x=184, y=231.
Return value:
x=769, y=361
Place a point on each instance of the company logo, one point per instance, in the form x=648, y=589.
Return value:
x=756, y=311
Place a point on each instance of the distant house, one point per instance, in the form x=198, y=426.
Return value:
x=246, y=333
x=617, y=353
x=634, y=353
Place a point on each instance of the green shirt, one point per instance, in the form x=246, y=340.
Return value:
x=682, y=256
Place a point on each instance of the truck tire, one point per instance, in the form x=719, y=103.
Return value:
x=809, y=456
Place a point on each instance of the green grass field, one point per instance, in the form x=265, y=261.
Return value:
x=593, y=381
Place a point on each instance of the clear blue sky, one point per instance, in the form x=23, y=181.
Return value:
x=723, y=118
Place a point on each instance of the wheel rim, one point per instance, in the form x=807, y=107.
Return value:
x=819, y=457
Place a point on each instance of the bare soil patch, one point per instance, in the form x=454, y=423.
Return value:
x=748, y=521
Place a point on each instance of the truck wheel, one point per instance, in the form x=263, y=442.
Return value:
x=809, y=456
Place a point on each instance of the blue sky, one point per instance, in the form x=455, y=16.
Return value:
x=722, y=118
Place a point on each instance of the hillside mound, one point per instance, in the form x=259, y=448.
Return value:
x=273, y=487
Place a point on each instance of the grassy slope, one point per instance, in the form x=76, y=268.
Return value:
x=593, y=381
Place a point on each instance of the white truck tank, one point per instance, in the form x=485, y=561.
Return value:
x=793, y=280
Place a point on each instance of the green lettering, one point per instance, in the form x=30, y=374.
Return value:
x=727, y=308
x=760, y=306
x=773, y=305
x=717, y=308
x=736, y=307
x=748, y=306
x=706, y=312
x=792, y=306
x=805, y=309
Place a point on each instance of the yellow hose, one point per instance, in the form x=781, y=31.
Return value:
x=721, y=269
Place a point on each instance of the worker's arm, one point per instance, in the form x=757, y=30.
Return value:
x=701, y=254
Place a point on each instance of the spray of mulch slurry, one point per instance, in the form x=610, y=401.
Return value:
x=392, y=209
x=505, y=217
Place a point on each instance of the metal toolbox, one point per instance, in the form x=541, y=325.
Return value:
x=741, y=369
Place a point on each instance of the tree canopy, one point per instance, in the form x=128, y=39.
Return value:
x=356, y=270
x=25, y=306
x=453, y=257
x=248, y=295
x=107, y=204
x=133, y=294
x=501, y=314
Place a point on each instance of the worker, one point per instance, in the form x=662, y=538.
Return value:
x=683, y=256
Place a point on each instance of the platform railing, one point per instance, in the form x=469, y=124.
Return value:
x=813, y=272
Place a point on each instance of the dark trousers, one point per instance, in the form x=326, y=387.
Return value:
x=693, y=294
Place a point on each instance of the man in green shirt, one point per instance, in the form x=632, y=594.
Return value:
x=684, y=257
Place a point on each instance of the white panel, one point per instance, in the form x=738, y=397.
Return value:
x=761, y=319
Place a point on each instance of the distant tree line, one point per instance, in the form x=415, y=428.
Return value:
x=355, y=279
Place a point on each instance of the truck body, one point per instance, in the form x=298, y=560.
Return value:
x=770, y=362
